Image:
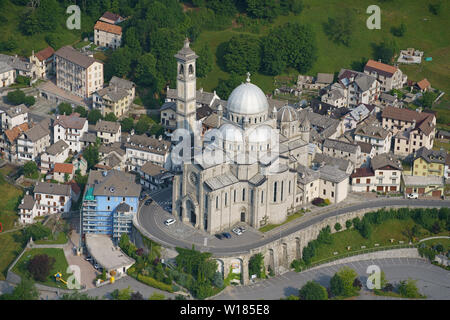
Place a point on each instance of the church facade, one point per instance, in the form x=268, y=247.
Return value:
x=249, y=169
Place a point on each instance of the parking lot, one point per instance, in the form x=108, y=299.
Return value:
x=433, y=281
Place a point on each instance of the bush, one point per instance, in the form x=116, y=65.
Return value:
x=157, y=296
x=337, y=226
x=154, y=283
x=348, y=224
x=16, y=97
x=39, y=266
x=23, y=80
x=313, y=291
x=408, y=289
x=65, y=108
x=29, y=101
x=218, y=280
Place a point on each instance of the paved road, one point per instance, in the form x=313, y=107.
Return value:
x=151, y=218
x=433, y=281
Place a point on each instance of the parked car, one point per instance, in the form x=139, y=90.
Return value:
x=242, y=228
x=413, y=196
x=227, y=235
x=237, y=231
x=97, y=266
x=219, y=236
x=88, y=259
x=148, y=202
x=169, y=221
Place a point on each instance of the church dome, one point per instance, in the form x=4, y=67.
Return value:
x=287, y=114
x=247, y=99
x=231, y=133
x=259, y=134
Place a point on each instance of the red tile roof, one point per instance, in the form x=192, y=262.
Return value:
x=379, y=66
x=45, y=54
x=362, y=172
x=14, y=133
x=111, y=28
x=423, y=84
x=63, y=168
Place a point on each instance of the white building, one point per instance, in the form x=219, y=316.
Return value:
x=141, y=148
x=358, y=87
x=27, y=209
x=7, y=74
x=107, y=35
x=14, y=116
x=33, y=142
x=70, y=129
x=377, y=136
x=57, y=152
x=390, y=77
x=52, y=198
x=108, y=131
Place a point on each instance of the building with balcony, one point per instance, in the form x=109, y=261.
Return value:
x=140, y=149
x=57, y=152
x=27, y=209
x=44, y=62
x=110, y=202
x=390, y=77
x=154, y=177
x=116, y=98
x=33, y=142
x=8, y=142
x=70, y=129
x=14, y=116
x=52, y=198
x=108, y=132
x=428, y=162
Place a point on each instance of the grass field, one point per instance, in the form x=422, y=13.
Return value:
x=444, y=242
x=61, y=238
x=9, y=197
x=289, y=218
x=381, y=234
x=431, y=36
x=9, y=250
x=60, y=265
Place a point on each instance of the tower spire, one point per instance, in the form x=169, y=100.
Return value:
x=248, y=77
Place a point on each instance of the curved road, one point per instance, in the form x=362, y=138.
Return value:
x=151, y=219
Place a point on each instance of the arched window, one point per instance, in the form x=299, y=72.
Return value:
x=235, y=195
x=262, y=196
x=289, y=186
x=243, y=194
x=217, y=202
x=275, y=191
x=226, y=198
x=282, y=187
x=191, y=69
x=181, y=70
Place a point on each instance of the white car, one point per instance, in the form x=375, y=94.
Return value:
x=169, y=221
x=237, y=231
x=413, y=196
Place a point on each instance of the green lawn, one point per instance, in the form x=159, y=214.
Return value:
x=426, y=35
x=437, y=145
x=381, y=234
x=9, y=249
x=289, y=218
x=60, y=239
x=60, y=265
x=9, y=197
x=444, y=242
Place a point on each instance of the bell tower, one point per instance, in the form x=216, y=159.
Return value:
x=186, y=88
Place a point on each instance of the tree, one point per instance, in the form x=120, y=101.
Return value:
x=142, y=125
x=29, y=101
x=226, y=86
x=119, y=63
x=146, y=73
x=256, y=265
x=313, y=291
x=25, y=290
x=30, y=168
x=81, y=111
x=16, y=97
x=427, y=99
x=39, y=266
x=136, y=296
x=366, y=229
x=110, y=117
x=91, y=155
x=36, y=231
x=337, y=226
x=218, y=280
x=127, y=124
x=242, y=54
x=204, y=61
x=348, y=224
x=435, y=8
x=77, y=296
x=385, y=51
x=342, y=282
x=340, y=28
x=124, y=294
x=94, y=116
x=400, y=31
x=65, y=108
x=265, y=9
x=409, y=289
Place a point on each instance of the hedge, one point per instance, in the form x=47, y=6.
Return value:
x=154, y=283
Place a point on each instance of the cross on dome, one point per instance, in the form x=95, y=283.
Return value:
x=248, y=76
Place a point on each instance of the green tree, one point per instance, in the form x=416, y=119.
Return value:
x=16, y=97
x=340, y=28
x=399, y=31
x=119, y=63
x=348, y=224
x=435, y=8
x=385, y=51
x=39, y=266
x=110, y=117
x=29, y=24
x=409, y=289
x=94, y=116
x=146, y=73
x=81, y=111
x=204, y=61
x=77, y=296
x=30, y=168
x=29, y=101
x=226, y=86
x=91, y=155
x=127, y=124
x=36, y=231
x=256, y=265
x=265, y=9
x=428, y=99
x=25, y=290
x=142, y=125
x=337, y=226
x=65, y=108
x=124, y=294
x=136, y=296
x=313, y=291
x=218, y=280
x=242, y=54
x=342, y=282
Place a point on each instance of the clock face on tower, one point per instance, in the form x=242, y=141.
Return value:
x=193, y=179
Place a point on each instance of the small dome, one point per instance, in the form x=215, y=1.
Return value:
x=247, y=99
x=287, y=114
x=258, y=134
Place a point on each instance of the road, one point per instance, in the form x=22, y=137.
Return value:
x=433, y=281
x=151, y=218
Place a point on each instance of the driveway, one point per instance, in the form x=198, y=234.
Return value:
x=433, y=281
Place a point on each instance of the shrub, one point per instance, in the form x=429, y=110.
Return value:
x=157, y=296
x=348, y=224
x=218, y=280
x=154, y=283
x=409, y=289
x=313, y=291
x=16, y=97
x=29, y=101
x=297, y=265
x=40, y=265
x=337, y=226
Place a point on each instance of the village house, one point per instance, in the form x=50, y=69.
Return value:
x=423, y=85
x=57, y=152
x=7, y=74
x=428, y=162
x=343, y=150
x=108, y=131
x=52, y=198
x=32, y=142
x=22, y=66
x=117, y=97
x=27, y=209
x=423, y=186
x=141, y=148
x=357, y=115
x=154, y=177
x=111, y=18
x=8, y=141
x=44, y=62
x=107, y=35
x=70, y=129
x=411, y=129
x=14, y=116
x=375, y=135
x=358, y=87
x=387, y=99
x=335, y=95
x=63, y=172
x=384, y=175
x=320, y=159
x=367, y=153
x=112, y=157
x=390, y=77
x=78, y=73
x=314, y=83
x=203, y=98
